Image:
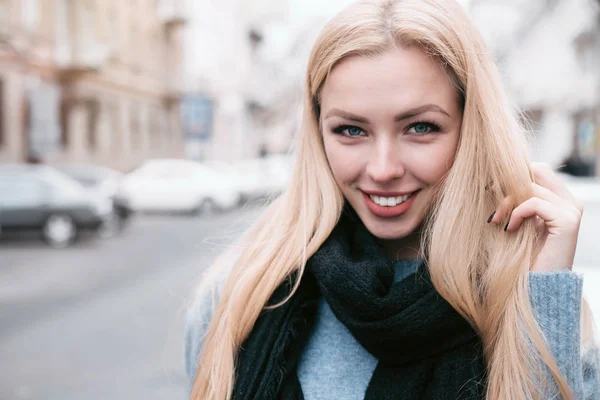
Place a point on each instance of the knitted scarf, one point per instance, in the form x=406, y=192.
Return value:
x=425, y=349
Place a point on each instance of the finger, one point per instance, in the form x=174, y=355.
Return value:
x=545, y=176
x=502, y=211
x=530, y=208
x=548, y=195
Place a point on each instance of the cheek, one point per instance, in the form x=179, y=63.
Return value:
x=345, y=161
x=431, y=162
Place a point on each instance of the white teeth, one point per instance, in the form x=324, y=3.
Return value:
x=389, y=201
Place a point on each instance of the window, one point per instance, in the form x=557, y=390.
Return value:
x=112, y=27
x=155, y=134
x=4, y=10
x=134, y=126
x=30, y=14
x=115, y=126
x=63, y=31
x=64, y=122
x=2, y=112
x=86, y=27
x=164, y=125
x=587, y=45
x=20, y=191
x=136, y=48
x=93, y=112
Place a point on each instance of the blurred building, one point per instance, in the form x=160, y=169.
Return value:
x=253, y=76
x=249, y=58
x=549, y=52
x=90, y=80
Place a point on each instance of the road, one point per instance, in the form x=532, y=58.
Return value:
x=104, y=319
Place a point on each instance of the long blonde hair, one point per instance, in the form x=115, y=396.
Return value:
x=479, y=269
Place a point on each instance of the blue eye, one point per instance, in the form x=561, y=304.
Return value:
x=353, y=131
x=348, y=130
x=423, y=128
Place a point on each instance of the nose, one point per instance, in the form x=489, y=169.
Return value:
x=385, y=163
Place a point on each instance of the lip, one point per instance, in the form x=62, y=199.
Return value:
x=387, y=194
x=389, y=212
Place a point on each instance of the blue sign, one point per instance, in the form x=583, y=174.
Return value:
x=197, y=117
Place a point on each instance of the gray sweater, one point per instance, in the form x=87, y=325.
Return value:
x=335, y=366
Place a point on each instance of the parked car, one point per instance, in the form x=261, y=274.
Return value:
x=226, y=173
x=262, y=177
x=178, y=185
x=103, y=182
x=40, y=198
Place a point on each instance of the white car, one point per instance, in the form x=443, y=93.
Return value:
x=178, y=185
x=226, y=173
x=264, y=176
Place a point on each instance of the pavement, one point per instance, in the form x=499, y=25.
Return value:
x=585, y=189
x=104, y=319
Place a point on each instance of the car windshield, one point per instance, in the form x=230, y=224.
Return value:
x=63, y=183
x=87, y=175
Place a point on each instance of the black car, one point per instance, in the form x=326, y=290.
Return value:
x=40, y=198
x=101, y=180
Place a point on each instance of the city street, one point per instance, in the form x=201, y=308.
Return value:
x=104, y=319
x=115, y=107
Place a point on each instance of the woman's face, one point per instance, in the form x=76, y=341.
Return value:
x=391, y=127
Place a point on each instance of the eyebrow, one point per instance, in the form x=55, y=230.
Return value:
x=413, y=112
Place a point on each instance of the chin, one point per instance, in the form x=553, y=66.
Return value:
x=388, y=232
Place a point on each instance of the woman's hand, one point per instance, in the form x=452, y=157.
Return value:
x=558, y=213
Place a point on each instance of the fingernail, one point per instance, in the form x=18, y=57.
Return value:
x=506, y=226
x=491, y=217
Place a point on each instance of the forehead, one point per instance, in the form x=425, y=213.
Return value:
x=401, y=77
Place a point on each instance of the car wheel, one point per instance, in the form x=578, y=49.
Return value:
x=59, y=230
x=207, y=207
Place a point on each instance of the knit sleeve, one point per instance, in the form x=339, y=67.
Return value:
x=199, y=315
x=557, y=303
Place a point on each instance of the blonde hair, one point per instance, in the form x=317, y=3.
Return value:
x=479, y=269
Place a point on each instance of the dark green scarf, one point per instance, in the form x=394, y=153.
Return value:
x=426, y=350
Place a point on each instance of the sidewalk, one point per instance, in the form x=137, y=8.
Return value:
x=586, y=189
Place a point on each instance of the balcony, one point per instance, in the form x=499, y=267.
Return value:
x=78, y=48
x=82, y=60
x=171, y=13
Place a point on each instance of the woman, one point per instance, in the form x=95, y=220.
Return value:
x=380, y=273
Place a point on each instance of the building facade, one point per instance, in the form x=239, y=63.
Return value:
x=90, y=80
x=230, y=59
x=549, y=53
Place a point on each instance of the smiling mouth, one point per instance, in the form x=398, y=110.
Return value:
x=390, y=201
x=389, y=206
